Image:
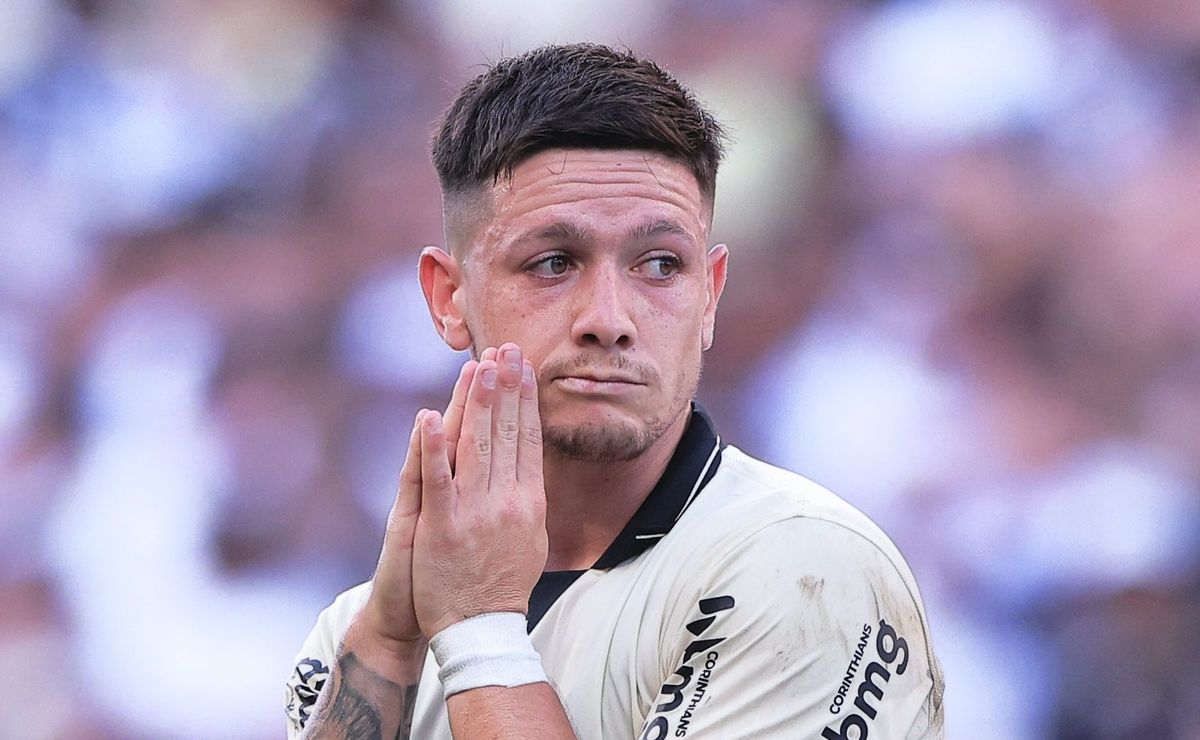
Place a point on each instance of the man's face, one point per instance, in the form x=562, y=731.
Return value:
x=595, y=263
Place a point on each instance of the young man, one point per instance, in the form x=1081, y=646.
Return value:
x=573, y=551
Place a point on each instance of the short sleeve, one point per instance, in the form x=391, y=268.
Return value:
x=311, y=666
x=807, y=628
x=309, y=674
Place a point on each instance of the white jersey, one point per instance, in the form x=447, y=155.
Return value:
x=740, y=601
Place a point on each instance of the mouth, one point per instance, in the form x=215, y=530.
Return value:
x=598, y=384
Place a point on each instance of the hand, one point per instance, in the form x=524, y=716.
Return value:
x=389, y=610
x=480, y=542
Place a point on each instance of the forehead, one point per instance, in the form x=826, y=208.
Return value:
x=600, y=190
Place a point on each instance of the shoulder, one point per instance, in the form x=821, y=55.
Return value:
x=785, y=579
x=796, y=559
x=783, y=492
x=755, y=511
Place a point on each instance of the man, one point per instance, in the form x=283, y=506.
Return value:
x=571, y=541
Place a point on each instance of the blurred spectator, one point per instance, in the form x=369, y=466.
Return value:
x=963, y=239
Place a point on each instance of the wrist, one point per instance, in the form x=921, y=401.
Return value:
x=486, y=650
x=399, y=660
x=451, y=612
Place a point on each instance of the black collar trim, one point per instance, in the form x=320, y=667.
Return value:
x=691, y=467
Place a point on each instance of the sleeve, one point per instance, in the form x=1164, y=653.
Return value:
x=805, y=629
x=312, y=664
x=309, y=674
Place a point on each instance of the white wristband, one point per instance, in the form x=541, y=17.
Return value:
x=487, y=650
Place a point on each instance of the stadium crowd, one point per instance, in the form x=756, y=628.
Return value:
x=965, y=295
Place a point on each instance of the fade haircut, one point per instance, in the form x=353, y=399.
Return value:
x=571, y=96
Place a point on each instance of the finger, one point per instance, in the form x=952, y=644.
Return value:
x=454, y=412
x=529, y=448
x=474, y=460
x=408, y=499
x=437, y=482
x=401, y=519
x=488, y=353
x=395, y=555
x=505, y=427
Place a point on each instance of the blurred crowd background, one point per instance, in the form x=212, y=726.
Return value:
x=964, y=294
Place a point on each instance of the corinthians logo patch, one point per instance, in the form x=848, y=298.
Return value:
x=303, y=689
x=679, y=686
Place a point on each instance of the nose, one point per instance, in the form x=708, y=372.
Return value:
x=602, y=315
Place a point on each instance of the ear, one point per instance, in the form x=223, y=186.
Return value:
x=718, y=261
x=441, y=282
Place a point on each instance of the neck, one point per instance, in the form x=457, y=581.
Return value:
x=588, y=503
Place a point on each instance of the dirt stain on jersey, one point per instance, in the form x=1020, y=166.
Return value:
x=811, y=586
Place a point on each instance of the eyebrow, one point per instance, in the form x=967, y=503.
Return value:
x=570, y=232
x=559, y=231
x=661, y=227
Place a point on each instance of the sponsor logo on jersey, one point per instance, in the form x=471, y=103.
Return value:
x=892, y=650
x=679, y=686
x=840, y=698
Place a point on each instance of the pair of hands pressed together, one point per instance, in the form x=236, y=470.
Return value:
x=467, y=532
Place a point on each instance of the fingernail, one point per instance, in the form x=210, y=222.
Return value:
x=489, y=377
x=527, y=373
x=512, y=358
x=435, y=425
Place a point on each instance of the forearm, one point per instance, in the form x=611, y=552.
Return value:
x=371, y=691
x=494, y=712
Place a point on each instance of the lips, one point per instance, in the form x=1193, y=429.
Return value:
x=598, y=385
x=605, y=378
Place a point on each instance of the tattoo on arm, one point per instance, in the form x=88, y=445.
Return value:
x=410, y=702
x=351, y=711
x=360, y=704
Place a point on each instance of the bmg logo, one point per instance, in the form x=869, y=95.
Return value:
x=890, y=647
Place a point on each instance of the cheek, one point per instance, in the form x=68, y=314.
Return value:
x=676, y=341
x=678, y=323
x=512, y=314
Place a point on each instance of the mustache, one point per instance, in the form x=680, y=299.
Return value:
x=584, y=364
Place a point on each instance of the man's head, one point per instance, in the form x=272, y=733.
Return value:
x=577, y=96
x=578, y=188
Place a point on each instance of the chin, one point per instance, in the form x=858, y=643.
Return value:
x=601, y=441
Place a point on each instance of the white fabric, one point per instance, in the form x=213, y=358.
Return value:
x=768, y=611
x=486, y=650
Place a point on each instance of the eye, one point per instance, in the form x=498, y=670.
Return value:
x=555, y=265
x=660, y=268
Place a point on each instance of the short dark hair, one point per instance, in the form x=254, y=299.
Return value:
x=579, y=95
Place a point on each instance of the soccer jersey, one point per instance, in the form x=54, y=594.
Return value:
x=741, y=600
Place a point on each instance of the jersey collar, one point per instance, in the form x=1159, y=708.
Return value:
x=691, y=467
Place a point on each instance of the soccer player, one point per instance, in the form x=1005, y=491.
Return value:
x=574, y=551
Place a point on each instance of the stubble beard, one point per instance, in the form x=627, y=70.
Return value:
x=616, y=441
x=603, y=443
